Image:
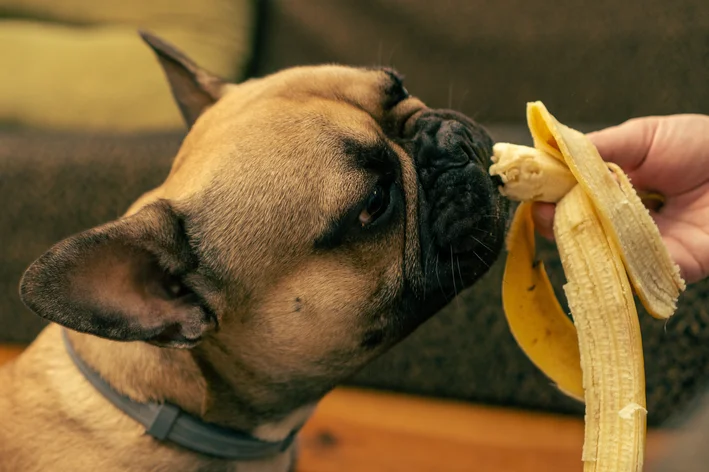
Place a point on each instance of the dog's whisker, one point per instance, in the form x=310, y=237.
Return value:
x=391, y=55
x=481, y=243
x=455, y=288
x=462, y=99
x=450, y=94
x=438, y=277
x=425, y=268
x=380, y=53
x=460, y=273
x=481, y=259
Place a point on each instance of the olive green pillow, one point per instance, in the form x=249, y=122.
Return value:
x=80, y=64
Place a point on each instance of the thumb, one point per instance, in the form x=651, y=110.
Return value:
x=543, y=217
x=626, y=144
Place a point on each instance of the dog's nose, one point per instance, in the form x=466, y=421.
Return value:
x=444, y=142
x=452, y=155
x=460, y=208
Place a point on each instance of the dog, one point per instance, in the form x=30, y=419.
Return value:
x=311, y=219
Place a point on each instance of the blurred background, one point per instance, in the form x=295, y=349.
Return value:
x=87, y=124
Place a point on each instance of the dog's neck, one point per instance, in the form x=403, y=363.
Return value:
x=145, y=373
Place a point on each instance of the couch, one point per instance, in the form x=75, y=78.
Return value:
x=592, y=63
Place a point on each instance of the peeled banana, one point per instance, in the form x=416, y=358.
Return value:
x=609, y=246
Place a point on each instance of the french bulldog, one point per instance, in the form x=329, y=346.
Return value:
x=311, y=220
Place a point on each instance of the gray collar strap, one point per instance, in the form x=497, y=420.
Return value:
x=167, y=422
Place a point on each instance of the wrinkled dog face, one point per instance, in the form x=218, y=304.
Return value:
x=312, y=219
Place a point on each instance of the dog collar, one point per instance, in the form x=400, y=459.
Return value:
x=167, y=422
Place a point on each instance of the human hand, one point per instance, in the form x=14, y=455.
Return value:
x=668, y=155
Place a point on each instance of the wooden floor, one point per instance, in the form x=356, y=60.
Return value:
x=356, y=431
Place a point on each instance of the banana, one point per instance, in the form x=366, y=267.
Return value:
x=530, y=174
x=609, y=246
x=601, y=302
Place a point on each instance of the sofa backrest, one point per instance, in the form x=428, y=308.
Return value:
x=588, y=60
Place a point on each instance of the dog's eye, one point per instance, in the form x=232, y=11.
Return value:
x=396, y=92
x=376, y=205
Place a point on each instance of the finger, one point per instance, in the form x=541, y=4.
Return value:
x=688, y=246
x=626, y=144
x=690, y=269
x=543, y=217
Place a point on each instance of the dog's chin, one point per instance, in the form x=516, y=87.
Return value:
x=461, y=212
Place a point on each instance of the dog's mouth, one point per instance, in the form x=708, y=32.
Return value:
x=461, y=213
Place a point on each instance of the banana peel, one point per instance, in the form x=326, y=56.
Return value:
x=534, y=315
x=609, y=247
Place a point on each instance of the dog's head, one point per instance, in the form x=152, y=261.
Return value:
x=311, y=219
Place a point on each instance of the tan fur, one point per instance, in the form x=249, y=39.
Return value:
x=249, y=136
x=261, y=175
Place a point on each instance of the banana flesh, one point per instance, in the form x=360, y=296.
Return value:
x=608, y=245
x=601, y=301
x=530, y=174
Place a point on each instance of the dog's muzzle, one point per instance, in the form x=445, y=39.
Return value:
x=462, y=215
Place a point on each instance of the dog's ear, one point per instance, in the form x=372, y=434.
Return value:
x=125, y=280
x=194, y=88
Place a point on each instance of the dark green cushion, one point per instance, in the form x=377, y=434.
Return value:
x=55, y=184
x=589, y=61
